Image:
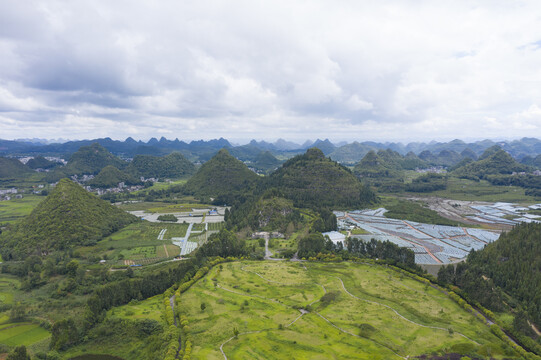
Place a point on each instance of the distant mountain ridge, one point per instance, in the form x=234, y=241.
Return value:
x=445, y=153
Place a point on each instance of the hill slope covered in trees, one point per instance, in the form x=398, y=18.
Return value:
x=174, y=165
x=222, y=175
x=314, y=181
x=12, y=168
x=68, y=216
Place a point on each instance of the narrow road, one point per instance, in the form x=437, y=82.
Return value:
x=166, y=252
x=268, y=254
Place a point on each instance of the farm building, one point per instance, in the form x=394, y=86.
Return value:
x=336, y=237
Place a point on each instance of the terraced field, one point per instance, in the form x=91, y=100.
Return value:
x=16, y=333
x=321, y=311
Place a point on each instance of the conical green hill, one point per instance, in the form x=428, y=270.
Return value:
x=110, y=176
x=91, y=159
x=12, y=168
x=221, y=175
x=498, y=162
x=312, y=180
x=69, y=216
x=173, y=166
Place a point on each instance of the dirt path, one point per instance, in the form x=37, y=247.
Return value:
x=166, y=252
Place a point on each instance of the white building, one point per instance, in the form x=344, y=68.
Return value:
x=336, y=237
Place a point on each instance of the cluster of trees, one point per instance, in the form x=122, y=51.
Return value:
x=168, y=217
x=375, y=249
x=531, y=183
x=223, y=244
x=315, y=243
x=427, y=183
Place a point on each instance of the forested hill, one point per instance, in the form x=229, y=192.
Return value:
x=110, y=176
x=90, y=160
x=494, y=161
x=312, y=180
x=223, y=175
x=171, y=166
x=68, y=216
x=12, y=168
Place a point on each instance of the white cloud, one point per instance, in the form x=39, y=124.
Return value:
x=392, y=70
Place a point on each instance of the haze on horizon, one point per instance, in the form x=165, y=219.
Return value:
x=380, y=71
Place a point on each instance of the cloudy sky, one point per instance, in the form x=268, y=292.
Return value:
x=343, y=70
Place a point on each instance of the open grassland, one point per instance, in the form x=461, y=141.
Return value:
x=353, y=311
x=16, y=334
x=8, y=286
x=162, y=185
x=172, y=208
x=16, y=209
x=469, y=190
x=138, y=241
x=151, y=308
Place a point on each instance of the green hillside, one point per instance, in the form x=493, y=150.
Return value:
x=39, y=162
x=69, y=216
x=222, y=175
x=12, y=168
x=265, y=161
x=173, y=166
x=312, y=180
x=498, y=162
x=505, y=277
x=373, y=165
x=110, y=176
x=90, y=160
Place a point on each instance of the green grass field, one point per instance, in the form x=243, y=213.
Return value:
x=16, y=209
x=147, y=309
x=376, y=314
x=16, y=334
x=178, y=208
x=137, y=241
x=8, y=285
x=463, y=189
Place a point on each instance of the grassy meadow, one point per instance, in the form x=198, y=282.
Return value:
x=15, y=209
x=463, y=189
x=376, y=314
x=14, y=334
x=138, y=241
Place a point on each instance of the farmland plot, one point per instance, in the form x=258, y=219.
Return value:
x=432, y=244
